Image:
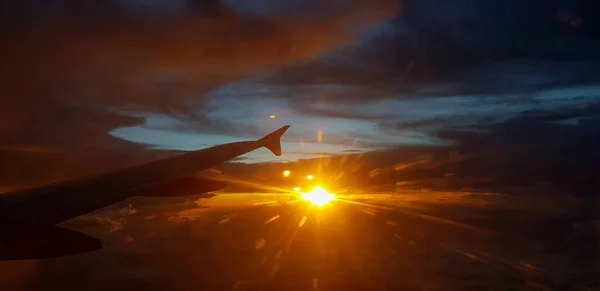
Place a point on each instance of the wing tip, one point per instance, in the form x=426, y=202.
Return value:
x=272, y=141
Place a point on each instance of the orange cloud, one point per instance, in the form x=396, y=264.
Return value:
x=58, y=71
x=159, y=59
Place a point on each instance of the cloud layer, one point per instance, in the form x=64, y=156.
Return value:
x=72, y=70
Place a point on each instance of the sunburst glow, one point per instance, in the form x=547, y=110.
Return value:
x=318, y=196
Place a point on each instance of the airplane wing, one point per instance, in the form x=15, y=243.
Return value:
x=41, y=207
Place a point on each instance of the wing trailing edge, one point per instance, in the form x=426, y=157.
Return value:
x=23, y=243
x=272, y=141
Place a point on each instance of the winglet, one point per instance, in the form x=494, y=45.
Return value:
x=272, y=141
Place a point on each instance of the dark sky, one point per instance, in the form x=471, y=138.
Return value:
x=84, y=77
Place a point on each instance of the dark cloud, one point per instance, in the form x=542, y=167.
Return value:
x=71, y=68
x=435, y=123
x=71, y=81
x=345, y=112
x=522, y=70
x=438, y=48
x=200, y=123
x=532, y=149
x=150, y=60
x=541, y=152
x=591, y=110
x=517, y=67
x=536, y=129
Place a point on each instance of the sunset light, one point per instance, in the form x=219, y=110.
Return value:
x=300, y=145
x=318, y=196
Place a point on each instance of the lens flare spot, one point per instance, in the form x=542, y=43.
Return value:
x=318, y=196
x=320, y=136
x=260, y=243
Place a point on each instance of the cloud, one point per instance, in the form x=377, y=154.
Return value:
x=434, y=48
x=194, y=213
x=535, y=129
x=75, y=70
x=27, y=149
x=129, y=210
x=533, y=149
x=94, y=223
x=545, y=152
x=128, y=57
x=73, y=144
x=343, y=111
x=449, y=67
x=128, y=239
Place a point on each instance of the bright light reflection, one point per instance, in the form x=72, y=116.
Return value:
x=318, y=196
x=297, y=189
x=286, y=173
x=309, y=177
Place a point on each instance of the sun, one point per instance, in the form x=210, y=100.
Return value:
x=318, y=196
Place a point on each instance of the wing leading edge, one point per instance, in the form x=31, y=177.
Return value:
x=27, y=217
x=51, y=204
